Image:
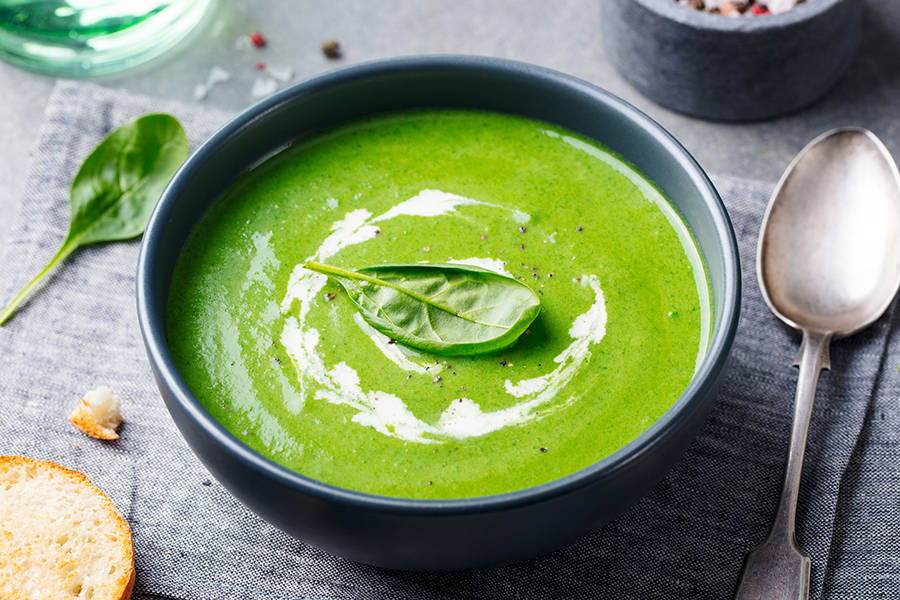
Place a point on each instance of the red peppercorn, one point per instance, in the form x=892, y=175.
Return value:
x=257, y=39
x=760, y=11
x=260, y=66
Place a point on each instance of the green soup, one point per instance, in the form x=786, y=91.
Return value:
x=280, y=357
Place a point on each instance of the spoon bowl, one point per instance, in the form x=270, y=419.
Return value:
x=828, y=264
x=829, y=251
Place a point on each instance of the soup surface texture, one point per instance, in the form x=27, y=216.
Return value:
x=281, y=358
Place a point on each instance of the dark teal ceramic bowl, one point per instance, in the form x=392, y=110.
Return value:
x=438, y=534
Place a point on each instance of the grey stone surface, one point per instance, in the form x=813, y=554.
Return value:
x=563, y=35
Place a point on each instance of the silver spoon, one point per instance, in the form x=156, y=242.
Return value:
x=828, y=264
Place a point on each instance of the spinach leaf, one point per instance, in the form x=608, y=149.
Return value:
x=117, y=187
x=446, y=309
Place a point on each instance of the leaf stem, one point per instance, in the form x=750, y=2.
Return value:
x=63, y=252
x=338, y=272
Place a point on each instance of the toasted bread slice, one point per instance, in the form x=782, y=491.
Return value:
x=60, y=537
x=98, y=414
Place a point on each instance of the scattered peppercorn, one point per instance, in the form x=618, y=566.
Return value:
x=257, y=39
x=543, y=449
x=521, y=229
x=331, y=49
x=740, y=7
x=578, y=228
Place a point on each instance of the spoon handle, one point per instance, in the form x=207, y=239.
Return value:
x=777, y=569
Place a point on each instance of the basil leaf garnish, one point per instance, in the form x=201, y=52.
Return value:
x=117, y=187
x=445, y=309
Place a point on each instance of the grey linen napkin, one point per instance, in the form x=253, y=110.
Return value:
x=686, y=539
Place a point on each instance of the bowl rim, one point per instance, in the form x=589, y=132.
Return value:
x=704, y=380
x=699, y=19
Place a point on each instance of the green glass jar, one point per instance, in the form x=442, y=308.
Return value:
x=77, y=38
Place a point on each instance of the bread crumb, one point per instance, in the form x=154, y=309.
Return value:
x=99, y=414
